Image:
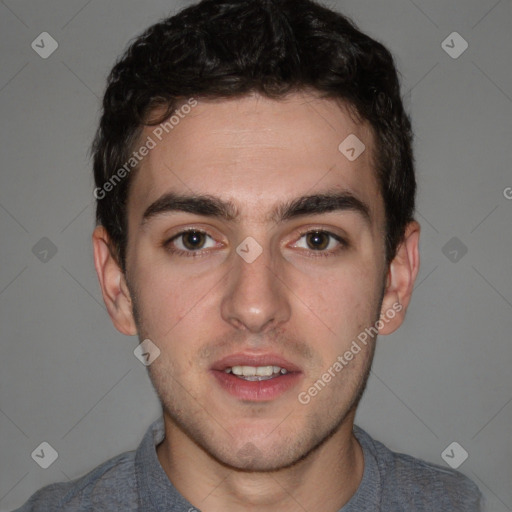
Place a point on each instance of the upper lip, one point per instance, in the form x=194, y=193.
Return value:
x=251, y=359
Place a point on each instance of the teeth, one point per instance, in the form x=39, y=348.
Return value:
x=264, y=371
x=256, y=371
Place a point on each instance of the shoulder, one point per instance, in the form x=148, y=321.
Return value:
x=409, y=483
x=112, y=484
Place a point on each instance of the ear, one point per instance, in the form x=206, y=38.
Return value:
x=113, y=284
x=400, y=280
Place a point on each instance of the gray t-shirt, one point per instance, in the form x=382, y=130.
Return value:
x=135, y=481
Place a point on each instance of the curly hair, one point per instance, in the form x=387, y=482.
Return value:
x=230, y=48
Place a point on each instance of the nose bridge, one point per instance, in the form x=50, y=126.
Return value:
x=254, y=298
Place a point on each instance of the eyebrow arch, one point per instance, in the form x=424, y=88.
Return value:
x=210, y=206
x=317, y=204
x=206, y=205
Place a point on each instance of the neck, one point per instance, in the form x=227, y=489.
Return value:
x=324, y=480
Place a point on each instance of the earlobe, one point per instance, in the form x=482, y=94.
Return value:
x=113, y=285
x=400, y=280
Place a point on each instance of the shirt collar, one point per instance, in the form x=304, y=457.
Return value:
x=156, y=491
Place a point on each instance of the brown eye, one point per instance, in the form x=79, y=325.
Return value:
x=320, y=242
x=317, y=240
x=193, y=240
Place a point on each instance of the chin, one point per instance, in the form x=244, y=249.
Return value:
x=250, y=451
x=253, y=460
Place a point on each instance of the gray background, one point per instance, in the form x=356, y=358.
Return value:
x=68, y=378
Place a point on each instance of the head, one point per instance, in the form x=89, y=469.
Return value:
x=228, y=121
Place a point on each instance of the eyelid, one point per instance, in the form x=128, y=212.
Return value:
x=184, y=231
x=341, y=240
x=168, y=243
x=179, y=231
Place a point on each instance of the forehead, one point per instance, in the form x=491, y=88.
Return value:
x=256, y=152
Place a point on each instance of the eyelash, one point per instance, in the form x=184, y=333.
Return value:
x=179, y=252
x=343, y=244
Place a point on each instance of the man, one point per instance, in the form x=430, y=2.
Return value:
x=255, y=196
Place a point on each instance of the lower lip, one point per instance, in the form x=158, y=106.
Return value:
x=259, y=390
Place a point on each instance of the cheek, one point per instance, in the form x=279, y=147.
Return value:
x=342, y=301
x=171, y=299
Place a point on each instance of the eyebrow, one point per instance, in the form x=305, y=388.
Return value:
x=211, y=206
x=206, y=205
x=317, y=204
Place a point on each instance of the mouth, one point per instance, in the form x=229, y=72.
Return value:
x=258, y=378
x=256, y=373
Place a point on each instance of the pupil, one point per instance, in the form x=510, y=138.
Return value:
x=193, y=240
x=318, y=240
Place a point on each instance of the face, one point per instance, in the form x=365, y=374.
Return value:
x=255, y=258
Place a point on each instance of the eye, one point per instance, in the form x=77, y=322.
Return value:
x=190, y=241
x=320, y=241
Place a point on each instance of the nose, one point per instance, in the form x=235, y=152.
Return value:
x=255, y=298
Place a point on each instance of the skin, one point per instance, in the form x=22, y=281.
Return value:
x=221, y=452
